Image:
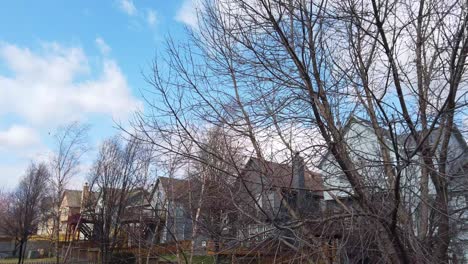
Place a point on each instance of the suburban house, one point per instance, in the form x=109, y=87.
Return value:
x=172, y=203
x=365, y=150
x=277, y=193
x=137, y=219
x=7, y=245
x=273, y=192
x=71, y=204
x=197, y=221
x=140, y=220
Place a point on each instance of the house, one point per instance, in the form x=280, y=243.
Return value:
x=195, y=222
x=276, y=194
x=7, y=245
x=140, y=220
x=171, y=202
x=457, y=178
x=70, y=205
x=364, y=149
x=136, y=220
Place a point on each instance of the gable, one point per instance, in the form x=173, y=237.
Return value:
x=278, y=175
x=71, y=198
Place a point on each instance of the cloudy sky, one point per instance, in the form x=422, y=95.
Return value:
x=62, y=61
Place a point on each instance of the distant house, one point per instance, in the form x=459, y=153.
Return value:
x=171, y=201
x=140, y=220
x=273, y=192
x=7, y=245
x=180, y=207
x=71, y=204
x=364, y=149
x=136, y=220
x=277, y=194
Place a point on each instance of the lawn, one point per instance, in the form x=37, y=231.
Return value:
x=15, y=260
x=169, y=258
x=196, y=259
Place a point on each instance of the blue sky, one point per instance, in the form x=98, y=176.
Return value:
x=62, y=61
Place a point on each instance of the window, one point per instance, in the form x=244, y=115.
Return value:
x=225, y=219
x=203, y=243
x=252, y=230
x=271, y=199
x=260, y=229
x=259, y=200
x=164, y=235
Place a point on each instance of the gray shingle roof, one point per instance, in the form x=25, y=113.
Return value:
x=73, y=198
x=281, y=175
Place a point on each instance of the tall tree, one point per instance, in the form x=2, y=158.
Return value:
x=114, y=177
x=271, y=70
x=70, y=144
x=23, y=207
x=8, y=224
x=211, y=184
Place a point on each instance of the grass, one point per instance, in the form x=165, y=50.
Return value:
x=15, y=260
x=196, y=259
x=171, y=258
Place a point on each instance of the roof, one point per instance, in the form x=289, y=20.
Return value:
x=73, y=198
x=173, y=186
x=434, y=135
x=347, y=127
x=281, y=175
x=138, y=197
x=403, y=138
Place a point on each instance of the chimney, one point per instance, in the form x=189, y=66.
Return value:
x=84, y=196
x=298, y=171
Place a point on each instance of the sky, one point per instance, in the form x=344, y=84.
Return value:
x=66, y=61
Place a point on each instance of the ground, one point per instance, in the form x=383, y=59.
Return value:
x=15, y=260
x=196, y=259
x=169, y=258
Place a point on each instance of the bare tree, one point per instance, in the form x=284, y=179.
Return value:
x=22, y=212
x=211, y=186
x=8, y=224
x=70, y=145
x=114, y=179
x=259, y=67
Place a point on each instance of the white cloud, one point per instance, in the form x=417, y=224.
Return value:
x=151, y=17
x=102, y=45
x=19, y=146
x=50, y=86
x=187, y=13
x=54, y=85
x=128, y=7
x=14, y=162
x=11, y=173
x=18, y=136
x=138, y=17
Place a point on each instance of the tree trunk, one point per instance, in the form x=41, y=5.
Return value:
x=21, y=251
